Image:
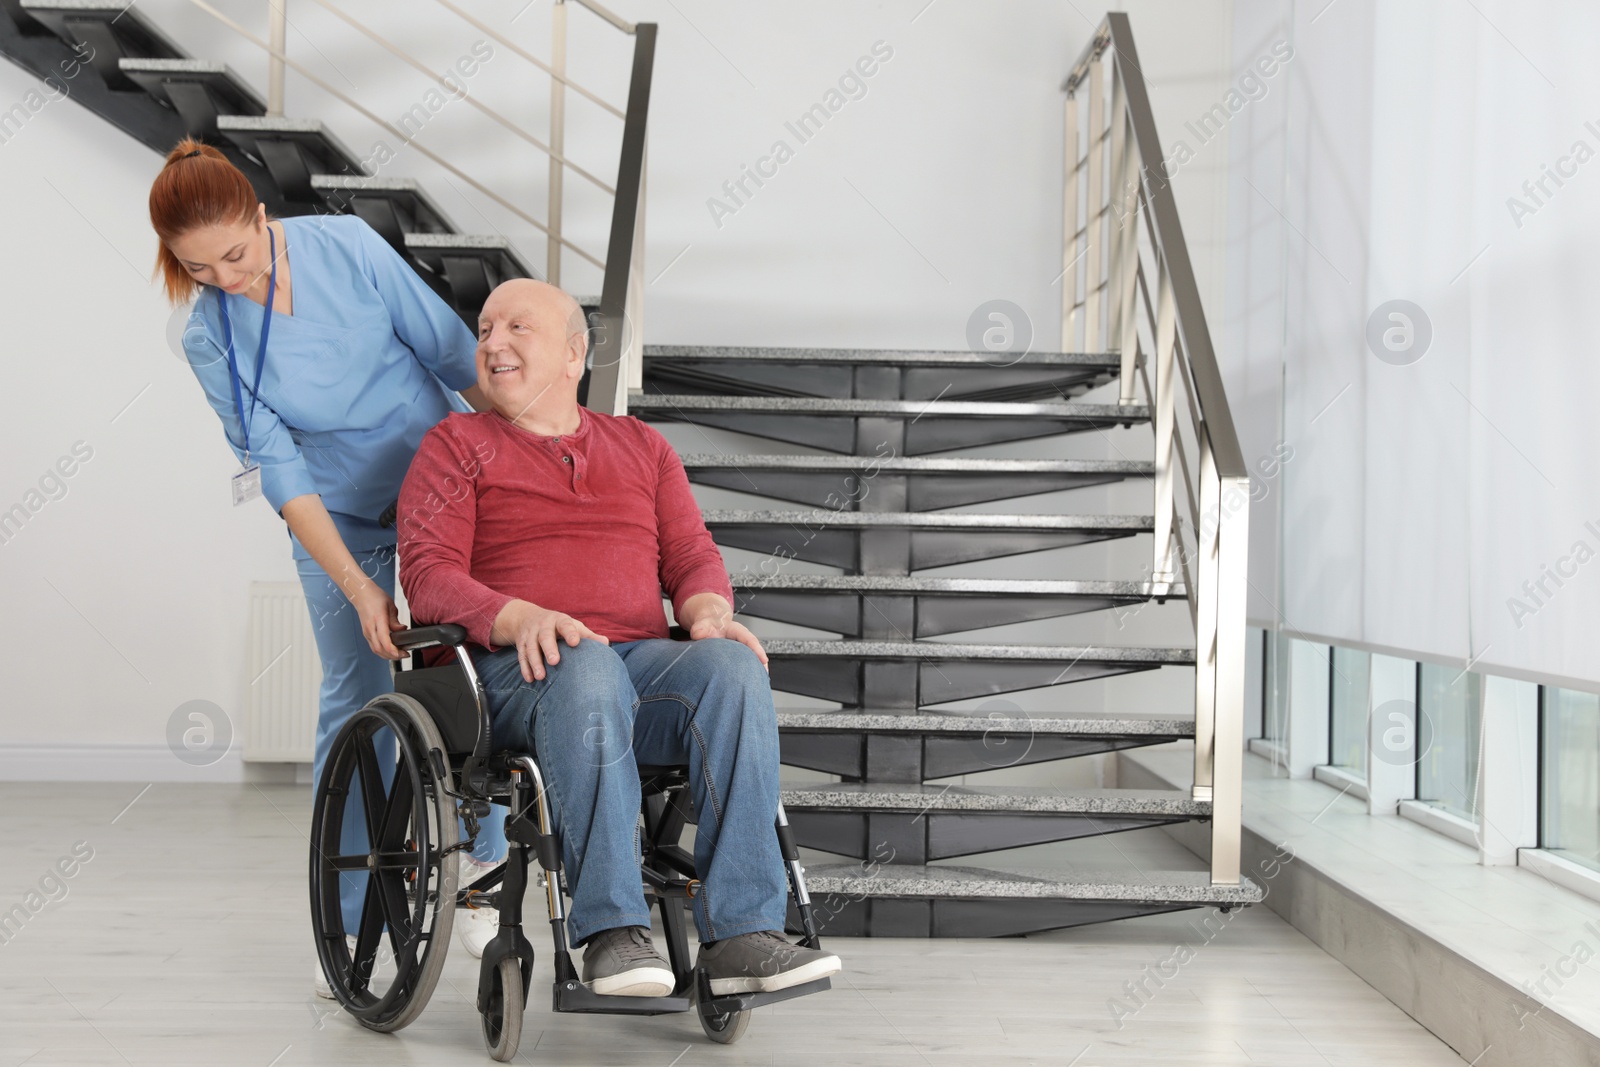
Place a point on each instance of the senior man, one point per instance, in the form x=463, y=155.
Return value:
x=540, y=522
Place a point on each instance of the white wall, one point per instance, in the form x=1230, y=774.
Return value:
x=127, y=597
x=1422, y=496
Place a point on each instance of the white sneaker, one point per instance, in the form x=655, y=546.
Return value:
x=476, y=926
x=319, y=984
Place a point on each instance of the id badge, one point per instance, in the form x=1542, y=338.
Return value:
x=247, y=484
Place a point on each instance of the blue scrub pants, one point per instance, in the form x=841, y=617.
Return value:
x=352, y=675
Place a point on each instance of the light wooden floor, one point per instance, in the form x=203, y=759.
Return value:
x=184, y=940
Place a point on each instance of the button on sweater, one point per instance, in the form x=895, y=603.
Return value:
x=595, y=524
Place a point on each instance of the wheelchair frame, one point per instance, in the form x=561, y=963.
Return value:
x=443, y=761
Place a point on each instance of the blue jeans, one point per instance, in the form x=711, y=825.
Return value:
x=352, y=674
x=599, y=712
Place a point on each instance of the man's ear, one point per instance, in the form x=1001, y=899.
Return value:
x=577, y=353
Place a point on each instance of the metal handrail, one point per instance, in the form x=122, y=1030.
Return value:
x=511, y=46
x=413, y=61
x=1202, y=539
x=618, y=347
x=615, y=364
x=618, y=343
x=278, y=54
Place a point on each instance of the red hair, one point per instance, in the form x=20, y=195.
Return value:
x=193, y=191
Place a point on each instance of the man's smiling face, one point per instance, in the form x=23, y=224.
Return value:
x=531, y=347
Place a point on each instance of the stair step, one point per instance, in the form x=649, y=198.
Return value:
x=863, y=584
x=415, y=211
x=885, y=605
x=322, y=152
x=855, y=407
x=908, y=374
x=932, y=799
x=913, y=900
x=498, y=256
x=916, y=673
x=884, y=356
x=901, y=745
x=836, y=424
x=114, y=30
x=963, y=521
x=936, y=880
x=902, y=483
x=893, y=541
x=978, y=723
x=915, y=823
x=173, y=79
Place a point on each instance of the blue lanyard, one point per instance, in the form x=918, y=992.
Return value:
x=261, y=354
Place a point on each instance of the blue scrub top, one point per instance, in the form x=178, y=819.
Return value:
x=367, y=364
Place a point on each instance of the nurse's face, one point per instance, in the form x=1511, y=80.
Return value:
x=530, y=347
x=230, y=256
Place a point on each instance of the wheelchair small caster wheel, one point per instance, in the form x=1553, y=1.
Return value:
x=502, y=1022
x=722, y=1027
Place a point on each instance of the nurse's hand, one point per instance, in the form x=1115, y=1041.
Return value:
x=379, y=617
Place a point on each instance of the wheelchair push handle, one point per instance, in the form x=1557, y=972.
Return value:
x=428, y=636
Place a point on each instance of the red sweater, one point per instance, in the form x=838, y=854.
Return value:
x=594, y=523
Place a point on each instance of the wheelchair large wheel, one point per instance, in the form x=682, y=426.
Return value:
x=502, y=1023
x=383, y=755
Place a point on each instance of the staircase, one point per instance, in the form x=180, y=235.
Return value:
x=876, y=511
x=872, y=488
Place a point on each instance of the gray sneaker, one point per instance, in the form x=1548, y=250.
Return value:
x=623, y=962
x=763, y=962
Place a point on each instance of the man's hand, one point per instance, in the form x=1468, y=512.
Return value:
x=710, y=615
x=537, y=632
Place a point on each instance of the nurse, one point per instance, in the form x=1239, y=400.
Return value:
x=327, y=358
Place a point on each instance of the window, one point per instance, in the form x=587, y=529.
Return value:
x=1449, y=714
x=1275, y=717
x=1569, y=774
x=1347, y=702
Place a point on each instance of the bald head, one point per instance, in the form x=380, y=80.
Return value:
x=533, y=297
x=532, y=341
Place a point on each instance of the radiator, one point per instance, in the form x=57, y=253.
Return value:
x=282, y=675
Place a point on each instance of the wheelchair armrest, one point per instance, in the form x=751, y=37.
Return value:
x=390, y=514
x=428, y=636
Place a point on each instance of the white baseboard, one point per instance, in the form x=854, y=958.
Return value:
x=32, y=762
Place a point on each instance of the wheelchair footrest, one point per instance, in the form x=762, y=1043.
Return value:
x=731, y=1002
x=575, y=997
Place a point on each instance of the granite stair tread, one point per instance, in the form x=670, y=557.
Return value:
x=936, y=799
x=939, y=880
x=917, y=464
x=225, y=89
x=938, y=650
x=328, y=152
x=871, y=356
x=891, y=720
x=877, y=583
x=941, y=520
x=685, y=403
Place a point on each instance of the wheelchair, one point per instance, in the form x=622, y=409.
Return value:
x=419, y=757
